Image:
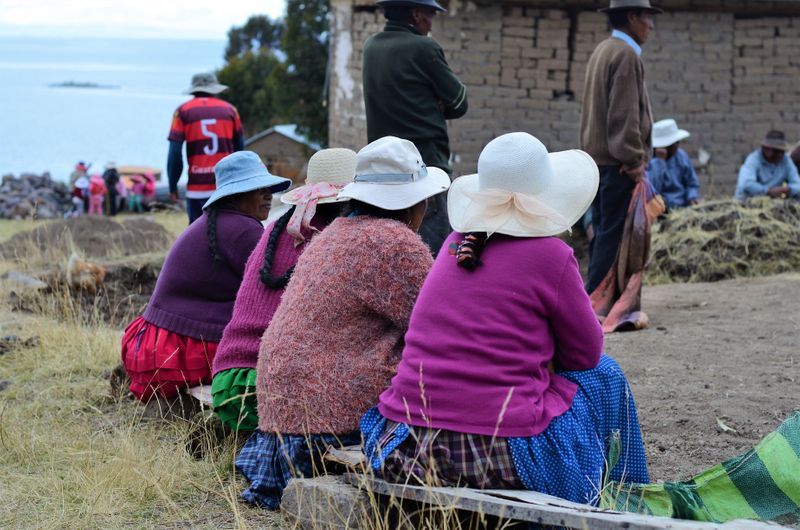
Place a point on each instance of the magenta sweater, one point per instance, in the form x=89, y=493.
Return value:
x=479, y=343
x=194, y=295
x=336, y=337
x=255, y=303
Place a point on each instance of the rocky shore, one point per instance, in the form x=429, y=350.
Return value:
x=33, y=196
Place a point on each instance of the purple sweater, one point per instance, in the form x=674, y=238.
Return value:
x=194, y=295
x=255, y=303
x=478, y=343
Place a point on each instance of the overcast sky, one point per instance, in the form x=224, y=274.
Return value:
x=209, y=19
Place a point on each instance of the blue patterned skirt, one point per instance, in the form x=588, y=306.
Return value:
x=269, y=461
x=597, y=440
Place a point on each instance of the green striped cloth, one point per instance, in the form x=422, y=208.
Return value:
x=762, y=484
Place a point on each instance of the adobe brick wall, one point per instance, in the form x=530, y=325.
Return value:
x=725, y=71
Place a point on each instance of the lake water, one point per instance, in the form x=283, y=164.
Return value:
x=44, y=128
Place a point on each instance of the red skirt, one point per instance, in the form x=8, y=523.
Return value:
x=159, y=361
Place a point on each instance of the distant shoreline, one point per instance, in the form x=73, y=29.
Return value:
x=82, y=84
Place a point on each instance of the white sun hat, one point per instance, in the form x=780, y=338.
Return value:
x=522, y=190
x=666, y=133
x=390, y=174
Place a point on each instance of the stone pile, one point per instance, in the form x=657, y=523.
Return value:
x=33, y=196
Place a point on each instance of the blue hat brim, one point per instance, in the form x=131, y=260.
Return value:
x=256, y=182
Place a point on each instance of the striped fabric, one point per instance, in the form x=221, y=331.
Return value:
x=761, y=484
x=208, y=126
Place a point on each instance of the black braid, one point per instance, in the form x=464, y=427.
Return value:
x=269, y=253
x=468, y=253
x=211, y=211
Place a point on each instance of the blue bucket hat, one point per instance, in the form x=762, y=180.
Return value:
x=241, y=172
x=411, y=3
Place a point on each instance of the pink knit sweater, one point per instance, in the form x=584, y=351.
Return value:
x=335, y=340
x=255, y=303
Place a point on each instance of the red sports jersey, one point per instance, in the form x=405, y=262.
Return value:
x=209, y=126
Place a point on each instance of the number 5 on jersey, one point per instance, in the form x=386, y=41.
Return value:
x=204, y=125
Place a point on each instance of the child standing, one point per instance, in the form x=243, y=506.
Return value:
x=137, y=190
x=97, y=190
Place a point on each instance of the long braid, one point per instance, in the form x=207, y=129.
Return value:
x=212, y=232
x=265, y=273
x=468, y=253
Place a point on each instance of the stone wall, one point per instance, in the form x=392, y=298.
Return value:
x=724, y=70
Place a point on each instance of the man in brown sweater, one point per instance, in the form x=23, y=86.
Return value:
x=616, y=124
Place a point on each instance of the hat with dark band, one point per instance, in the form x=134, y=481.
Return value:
x=411, y=3
x=616, y=5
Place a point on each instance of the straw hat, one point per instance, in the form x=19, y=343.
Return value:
x=241, y=172
x=666, y=133
x=335, y=166
x=522, y=190
x=390, y=174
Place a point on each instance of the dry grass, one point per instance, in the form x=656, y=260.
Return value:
x=72, y=456
x=723, y=239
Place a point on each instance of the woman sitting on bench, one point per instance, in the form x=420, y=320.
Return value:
x=335, y=339
x=314, y=206
x=502, y=382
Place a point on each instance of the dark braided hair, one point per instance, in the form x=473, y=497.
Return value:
x=265, y=272
x=468, y=253
x=211, y=225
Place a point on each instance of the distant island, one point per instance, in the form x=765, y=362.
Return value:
x=81, y=84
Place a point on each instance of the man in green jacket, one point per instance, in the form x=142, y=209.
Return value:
x=616, y=126
x=409, y=92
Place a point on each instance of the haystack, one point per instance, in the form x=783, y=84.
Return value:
x=723, y=239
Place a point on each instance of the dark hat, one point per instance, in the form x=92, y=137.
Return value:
x=411, y=3
x=630, y=4
x=775, y=140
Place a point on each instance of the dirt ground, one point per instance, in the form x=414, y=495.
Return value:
x=727, y=351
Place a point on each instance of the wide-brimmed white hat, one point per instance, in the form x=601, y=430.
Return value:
x=206, y=83
x=522, y=190
x=666, y=133
x=335, y=166
x=390, y=174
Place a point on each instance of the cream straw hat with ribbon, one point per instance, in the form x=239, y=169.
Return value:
x=329, y=170
x=522, y=190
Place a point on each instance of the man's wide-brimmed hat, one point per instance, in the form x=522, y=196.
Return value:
x=775, y=140
x=411, y=3
x=241, y=172
x=206, y=83
x=615, y=5
x=335, y=167
x=390, y=174
x=522, y=190
x=666, y=133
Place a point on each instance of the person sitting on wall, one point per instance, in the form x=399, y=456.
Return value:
x=172, y=345
x=335, y=339
x=503, y=383
x=769, y=171
x=671, y=172
x=313, y=207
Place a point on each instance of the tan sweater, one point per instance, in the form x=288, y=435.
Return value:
x=616, y=120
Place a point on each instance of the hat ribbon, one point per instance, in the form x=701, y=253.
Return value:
x=500, y=206
x=306, y=198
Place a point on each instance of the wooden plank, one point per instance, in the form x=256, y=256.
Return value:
x=350, y=456
x=541, y=509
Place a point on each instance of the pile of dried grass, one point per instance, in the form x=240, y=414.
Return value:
x=723, y=239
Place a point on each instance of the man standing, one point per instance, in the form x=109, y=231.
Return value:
x=769, y=171
x=409, y=92
x=212, y=130
x=616, y=126
x=111, y=178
